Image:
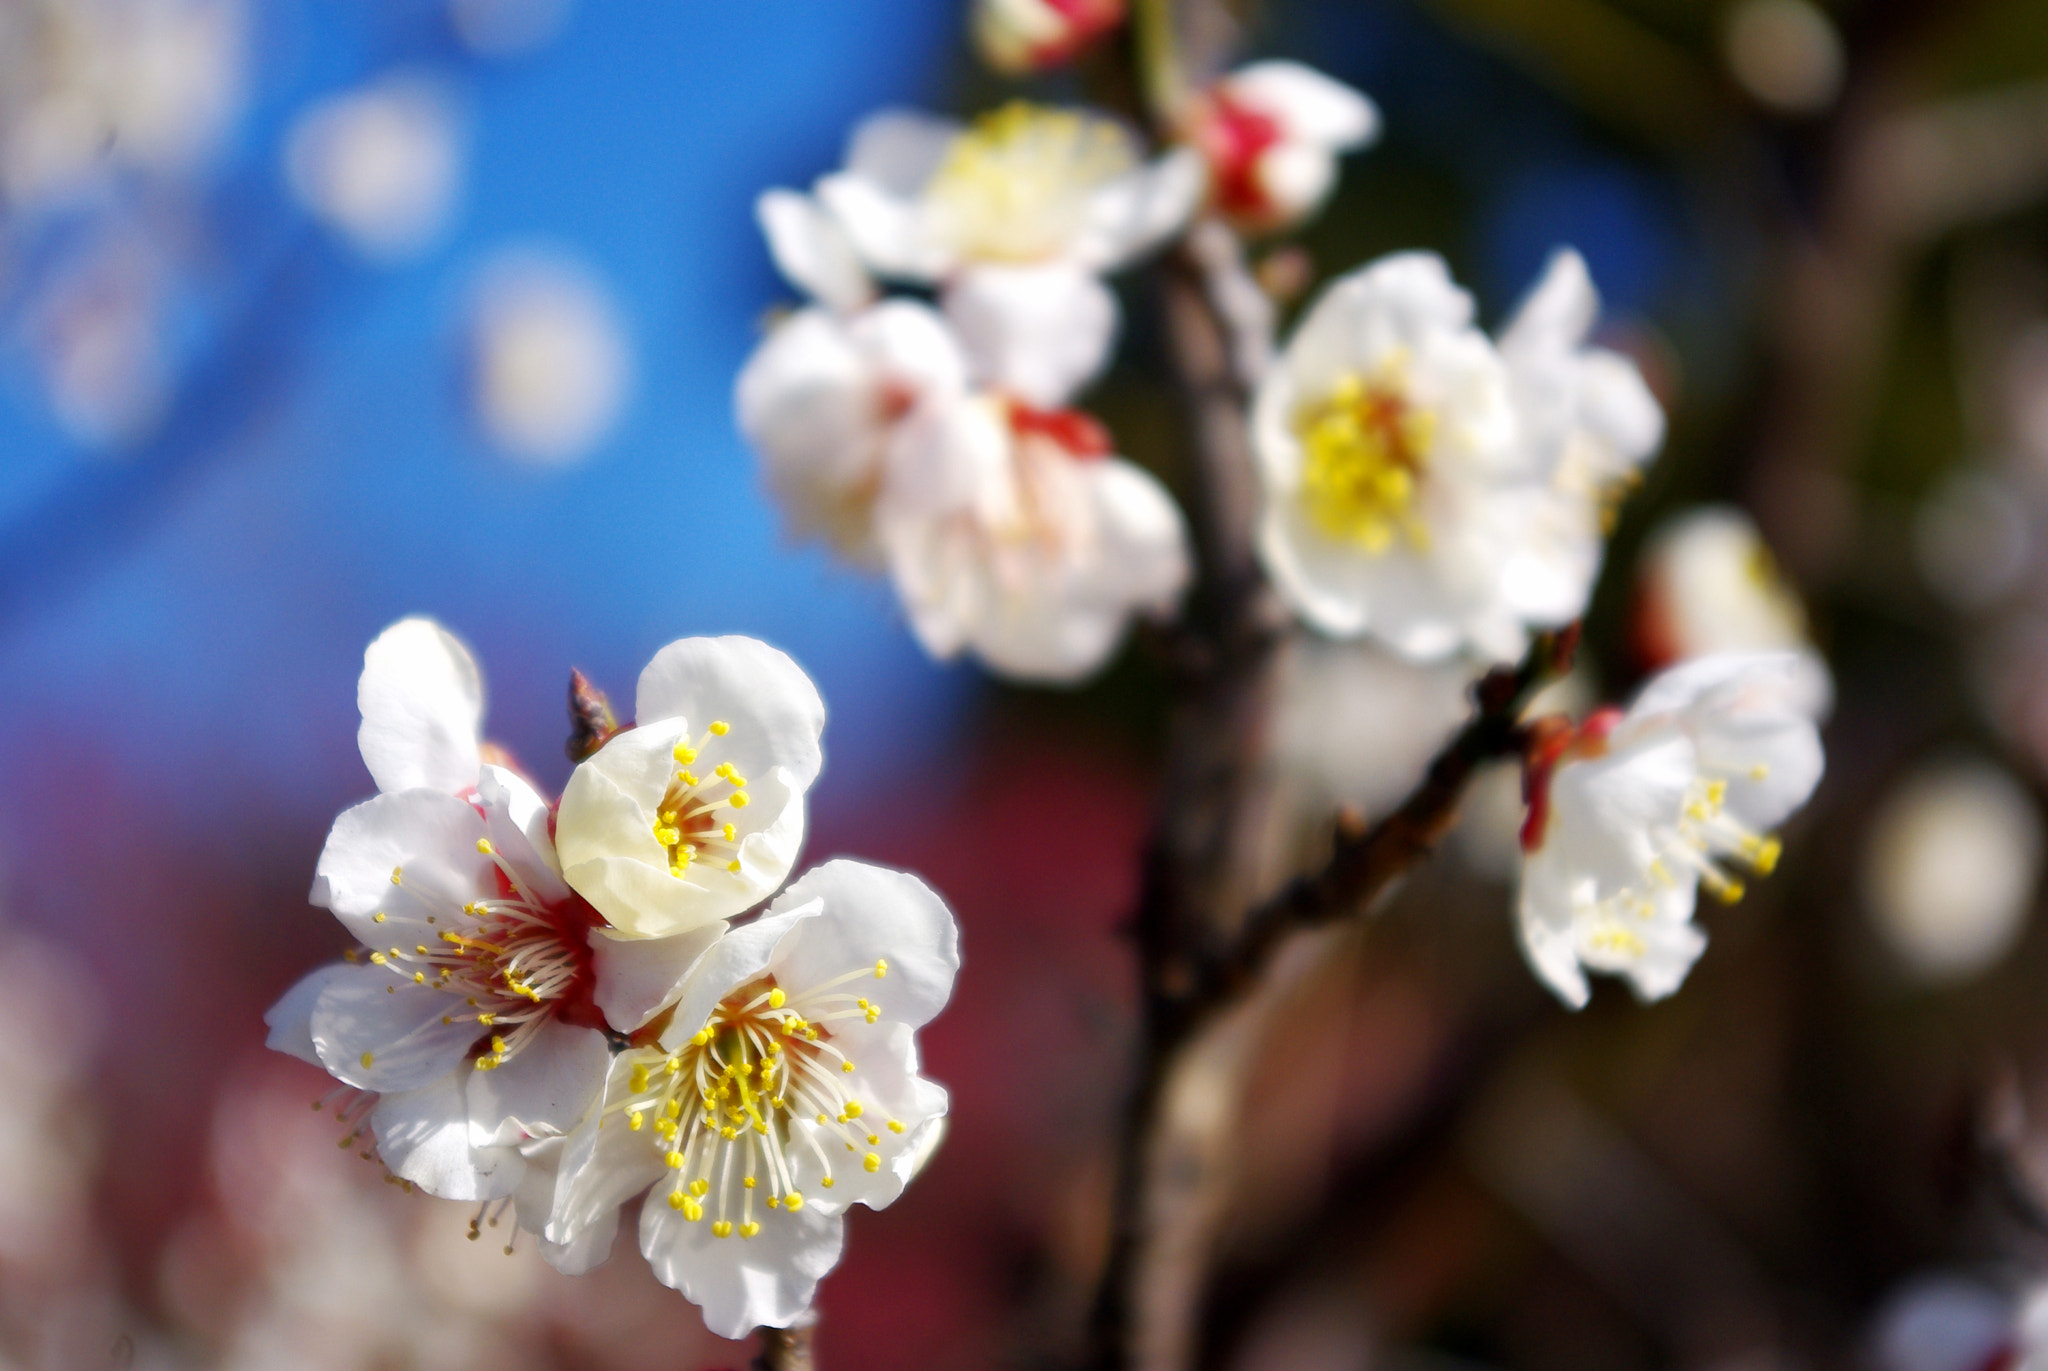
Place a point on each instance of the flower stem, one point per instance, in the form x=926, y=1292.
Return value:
x=792, y=1348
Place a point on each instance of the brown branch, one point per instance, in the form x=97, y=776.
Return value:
x=791, y=1348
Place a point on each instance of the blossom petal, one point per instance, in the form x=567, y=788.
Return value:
x=422, y=704
x=423, y=1136
x=888, y=1085
x=1558, y=312
x=1134, y=213
x=742, y=1283
x=1039, y=332
x=517, y=818
x=637, y=978
x=899, y=149
x=602, y=1165
x=379, y=1032
x=870, y=914
x=774, y=710
x=545, y=1089
x=409, y=856
x=812, y=251
x=290, y=1020
x=743, y=954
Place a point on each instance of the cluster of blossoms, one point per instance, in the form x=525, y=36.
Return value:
x=938, y=441
x=551, y=1012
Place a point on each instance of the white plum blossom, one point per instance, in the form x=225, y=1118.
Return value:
x=1588, y=423
x=1395, y=481
x=824, y=392
x=1019, y=36
x=696, y=813
x=1014, y=533
x=464, y=1030
x=776, y=1094
x=1015, y=219
x=1707, y=583
x=1630, y=814
x=1272, y=132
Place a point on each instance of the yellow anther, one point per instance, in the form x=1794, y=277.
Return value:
x=881, y=967
x=676, y=1200
x=728, y=1132
x=747, y=1181
x=635, y=1120
x=871, y=1162
x=874, y=1138
x=692, y=1210
x=862, y=1003
x=794, y=1200
x=398, y=875
x=847, y=1067
x=749, y=1229
x=738, y=799
x=684, y=753
x=447, y=1019
x=827, y=1182
x=497, y=1045
x=487, y=1018
x=674, y=1109
x=419, y=978
x=421, y=949
x=378, y=917
x=700, y=1037
x=720, y=727
x=810, y=1033
x=483, y=845
x=675, y=1160
x=1760, y=772
x=823, y=1119
x=1764, y=855
x=1717, y=793
x=874, y=1015
x=773, y=1202
x=722, y=1229
x=731, y=832
x=853, y=1110
x=377, y=958
x=700, y=1187
x=367, y=1059
x=689, y=778
x=733, y=866
x=722, y=770
x=895, y=1127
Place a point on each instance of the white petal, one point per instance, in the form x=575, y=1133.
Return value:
x=1309, y=105
x=1145, y=558
x=774, y=710
x=602, y=1165
x=1616, y=406
x=423, y=1136
x=379, y=1032
x=422, y=704
x=1136, y=212
x=637, y=978
x=1545, y=927
x=1669, y=950
x=590, y=1248
x=893, y=234
x=871, y=913
x=1038, y=332
x=899, y=149
x=742, y=955
x=544, y=1090
x=1604, y=808
x=290, y=1020
x=1558, y=313
x=427, y=835
x=887, y=1083
x=517, y=818
x=812, y=251
x=1296, y=179
x=742, y=1283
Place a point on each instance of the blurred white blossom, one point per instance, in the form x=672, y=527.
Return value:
x=89, y=87
x=1707, y=583
x=1016, y=534
x=382, y=165
x=549, y=364
x=97, y=337
x=507, y=28
x=1786, y=54
x=1019, y=36
x=1950, y=868
x=1629, y=814
x=1272, y=132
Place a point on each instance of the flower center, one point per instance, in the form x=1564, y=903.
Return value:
x=687, y=824
x=759, y=1096
x=514, y=961
x=1015, y=186
x=1365, y=448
